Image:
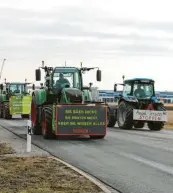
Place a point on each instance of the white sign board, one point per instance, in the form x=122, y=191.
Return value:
x=150, y=115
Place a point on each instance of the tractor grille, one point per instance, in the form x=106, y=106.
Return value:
x=74, y=97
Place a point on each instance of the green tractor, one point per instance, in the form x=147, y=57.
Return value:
x=14, y=100
x=64, y=107
x=138, y=105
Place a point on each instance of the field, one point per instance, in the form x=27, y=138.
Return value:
x=169, y=124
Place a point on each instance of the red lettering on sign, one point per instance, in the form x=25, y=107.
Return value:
x=80, y=130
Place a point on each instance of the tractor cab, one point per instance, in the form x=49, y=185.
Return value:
x=14, y=89
x=17, y=88
x=67, y=84
x=65, y=78
x=64, y=84
x=140, y=88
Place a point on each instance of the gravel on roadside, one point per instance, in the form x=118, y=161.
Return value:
x=19, y=145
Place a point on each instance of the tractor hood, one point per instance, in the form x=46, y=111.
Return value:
x=72, y=95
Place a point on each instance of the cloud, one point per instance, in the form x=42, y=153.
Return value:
x=83, y=30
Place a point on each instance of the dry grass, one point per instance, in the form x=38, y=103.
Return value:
x=5, y=148
x=41, y=175
x=169, y=124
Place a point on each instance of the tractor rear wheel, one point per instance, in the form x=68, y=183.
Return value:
x=125, y=115
x=47, y=122
x=97, y=137
x=36, y=128
x=157, y=126
x=6, y=111
x=139, y=125
x=25, y=116
x=1, y=110
x=111, y=119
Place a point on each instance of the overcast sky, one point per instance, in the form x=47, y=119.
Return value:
x=134, y=38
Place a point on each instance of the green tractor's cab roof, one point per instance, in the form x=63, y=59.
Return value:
x=65, y=69
x=139, y=80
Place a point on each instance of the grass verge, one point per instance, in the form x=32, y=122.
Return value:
x=5, y=148
x=41, y=175
x=169, y=126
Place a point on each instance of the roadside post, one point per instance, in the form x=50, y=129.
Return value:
x=28, y=136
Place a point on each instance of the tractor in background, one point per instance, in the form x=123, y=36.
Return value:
x=138, y=105
x=14, y=99
x=64, y=107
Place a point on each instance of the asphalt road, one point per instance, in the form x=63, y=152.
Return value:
x=136, y=161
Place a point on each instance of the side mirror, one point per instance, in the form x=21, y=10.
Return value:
x=99, y=75
x=1, y=86
x=115, y=87
x=38, y=74
x=33, y=87
x=90, y=84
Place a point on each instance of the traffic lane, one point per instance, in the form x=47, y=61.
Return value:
x=120, y=160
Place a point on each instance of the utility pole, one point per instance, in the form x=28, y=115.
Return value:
x=2, y=68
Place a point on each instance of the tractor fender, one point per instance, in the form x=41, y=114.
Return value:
x=40, y=96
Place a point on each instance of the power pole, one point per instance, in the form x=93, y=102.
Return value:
x=2, y=68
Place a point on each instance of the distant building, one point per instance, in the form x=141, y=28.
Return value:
x=110, y=96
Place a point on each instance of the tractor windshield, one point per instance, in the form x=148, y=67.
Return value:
x=143, y=90
x=17, y=88
x=66, y=79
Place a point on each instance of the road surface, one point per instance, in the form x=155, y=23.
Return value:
x=136, y=161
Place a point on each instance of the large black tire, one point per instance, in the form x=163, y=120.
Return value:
x=25, y=116
x=111, y=119
x=36, y=127
x=157, y=126
x=47, y=122
x=139, y=125
x=6, y=111
x=97, y=137
x=1, y=110
x=125, y=115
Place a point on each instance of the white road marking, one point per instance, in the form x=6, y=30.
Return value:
x=161, y=167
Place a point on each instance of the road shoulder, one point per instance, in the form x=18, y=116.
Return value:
x=19, y=146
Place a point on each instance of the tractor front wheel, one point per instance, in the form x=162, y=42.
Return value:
x=125, y=115
x=47, y=122
x=6, y=111
x=110, y=118
x=157, y=126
